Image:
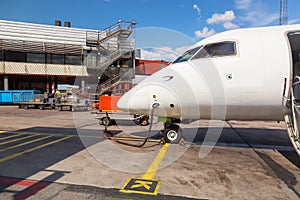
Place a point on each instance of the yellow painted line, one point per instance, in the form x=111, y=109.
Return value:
x=109, y=111
x=11, y=136
x=18, y=139
x=155, y=164
x=3, y=132
x=56, y=134
x=32, y=149
x=146, y=184
x=25, y=143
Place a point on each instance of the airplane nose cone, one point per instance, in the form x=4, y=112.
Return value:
x=141, y=99
x=130, y=102
x=122, y=104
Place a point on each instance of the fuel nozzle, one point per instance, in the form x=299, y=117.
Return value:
x=155, y=105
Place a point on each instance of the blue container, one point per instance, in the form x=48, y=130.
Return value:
x=11, y=96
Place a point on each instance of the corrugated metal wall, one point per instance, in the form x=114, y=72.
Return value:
x=42, y=33
x=45, y=39
x=26, y=37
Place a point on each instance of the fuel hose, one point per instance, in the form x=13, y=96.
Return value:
x=121, y=140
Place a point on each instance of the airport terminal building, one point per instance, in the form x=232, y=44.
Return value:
x=34, y=56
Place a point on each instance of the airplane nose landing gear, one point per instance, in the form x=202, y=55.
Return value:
x=171, y=133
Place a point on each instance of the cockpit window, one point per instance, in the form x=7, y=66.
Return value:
x=187, y=55
x=217, y=50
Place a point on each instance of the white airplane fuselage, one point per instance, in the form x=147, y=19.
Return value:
x=244, y=74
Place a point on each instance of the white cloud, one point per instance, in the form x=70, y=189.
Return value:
x=180, y=50
x=230, y=25
x=221, y=18
x=204, y=33
x=293, y=21
x=163, y=53
x=225, y=19
x=255, y=12
x=243, y=4
x=197, y=8
x=259, y=17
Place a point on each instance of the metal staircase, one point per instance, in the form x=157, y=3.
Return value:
x=115, y=84
x=114, y=48
x=108, y=85
x=112, y=43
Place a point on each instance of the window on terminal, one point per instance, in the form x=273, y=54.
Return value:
x=35, y=57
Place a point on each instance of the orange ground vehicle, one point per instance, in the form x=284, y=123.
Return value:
x=108, y=103
x=109, y=112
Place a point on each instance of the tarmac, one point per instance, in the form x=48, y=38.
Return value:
x=51, y=154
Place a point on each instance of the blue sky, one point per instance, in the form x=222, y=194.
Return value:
x=196, y=19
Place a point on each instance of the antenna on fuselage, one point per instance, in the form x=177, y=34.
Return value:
x=283, y=18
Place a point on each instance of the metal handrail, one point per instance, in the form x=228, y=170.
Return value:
x=105, y=61
x=119, y=26
x=109, y=31
x=110, y=80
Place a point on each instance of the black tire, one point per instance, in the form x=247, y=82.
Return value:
x=136, y=121
x=106, y=121
x=172, y=134
x=144, y=121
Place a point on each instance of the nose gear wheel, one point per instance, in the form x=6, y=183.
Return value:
x=172, y=133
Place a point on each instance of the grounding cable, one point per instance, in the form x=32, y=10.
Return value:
x=121, y=140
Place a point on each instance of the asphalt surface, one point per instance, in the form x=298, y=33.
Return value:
x=47, y=154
